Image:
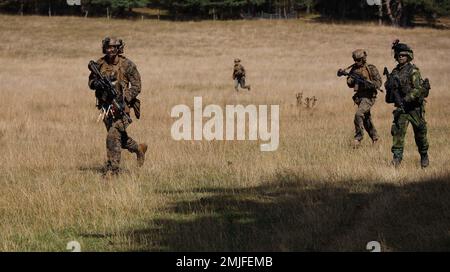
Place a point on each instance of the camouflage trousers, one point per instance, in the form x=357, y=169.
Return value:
x=401, y=120
x=363, y=119
x=116, y=139
x=240, y=81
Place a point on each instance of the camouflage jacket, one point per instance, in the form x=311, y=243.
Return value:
x=238, y=71
x=124, y=75
x=410, y=80
x=370, y=73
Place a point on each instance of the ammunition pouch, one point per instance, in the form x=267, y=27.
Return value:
x=135, y=104
x=425, y=87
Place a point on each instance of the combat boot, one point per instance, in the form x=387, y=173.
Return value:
x=109, y=171
x=140, y=154
x=375, y=141
x=396, y=161
x=424, y=161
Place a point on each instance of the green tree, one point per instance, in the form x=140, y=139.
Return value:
x=112, y=7
x=403, y=12
x=307, y=5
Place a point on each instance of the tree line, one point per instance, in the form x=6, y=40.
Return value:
x=397, y=12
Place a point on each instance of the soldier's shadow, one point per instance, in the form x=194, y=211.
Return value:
x=100, y=169
x=91, y=168
x=290, y=213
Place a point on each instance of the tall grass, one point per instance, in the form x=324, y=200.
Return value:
x=314, y=193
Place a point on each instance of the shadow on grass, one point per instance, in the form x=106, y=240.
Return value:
x=100, y=169
x=92, y=168
x=293, y=214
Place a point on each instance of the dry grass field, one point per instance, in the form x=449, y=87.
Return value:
x=315, y=193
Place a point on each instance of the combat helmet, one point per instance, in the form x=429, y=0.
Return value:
x=402, y=48
x=111, y=41
x=359, y=54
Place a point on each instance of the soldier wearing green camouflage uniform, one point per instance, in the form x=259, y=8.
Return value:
x=125, y=77
x=410, y=104
x=365, y=95
x=239, y=76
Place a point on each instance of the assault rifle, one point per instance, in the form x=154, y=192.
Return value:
x=359, y=79
x=392, y=90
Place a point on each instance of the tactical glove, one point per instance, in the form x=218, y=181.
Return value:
x=350, y=81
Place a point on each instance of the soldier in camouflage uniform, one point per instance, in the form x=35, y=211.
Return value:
x=365, y=95
x=411, y=90
x=125, y=77
x=239, y=76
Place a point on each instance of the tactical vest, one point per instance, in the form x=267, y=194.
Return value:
x=407, y=85
x=367, y=73
x=116, y=72
x=239, y=70
x=404, y=76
